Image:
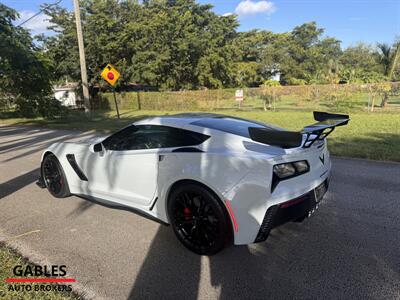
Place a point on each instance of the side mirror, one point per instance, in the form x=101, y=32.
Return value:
x=97, y=148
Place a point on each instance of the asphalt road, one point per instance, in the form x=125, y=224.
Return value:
x=350, y=249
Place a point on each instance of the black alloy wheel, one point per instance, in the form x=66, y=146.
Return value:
x=54, y=177
x=199, y=219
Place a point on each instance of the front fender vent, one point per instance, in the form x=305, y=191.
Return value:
x=74, y=165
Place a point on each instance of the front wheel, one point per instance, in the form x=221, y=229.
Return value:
x=199, y=219
x=54, y=177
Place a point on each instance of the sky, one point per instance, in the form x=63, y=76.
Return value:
x=350, y=21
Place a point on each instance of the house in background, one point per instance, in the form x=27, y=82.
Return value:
x=67, y=94
x=276, y=76
x=275, y=73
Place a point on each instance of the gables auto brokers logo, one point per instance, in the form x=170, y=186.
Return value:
x=40, y=278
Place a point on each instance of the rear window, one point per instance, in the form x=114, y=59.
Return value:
x=230, y=125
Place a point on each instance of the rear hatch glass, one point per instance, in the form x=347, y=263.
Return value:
x=231, y=125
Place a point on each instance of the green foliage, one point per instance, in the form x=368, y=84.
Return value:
x=45, y=106
x=270, y=82
x=389, y=57
x=295, y=81
x=175, y=45
x=24, y=73
x=360, y=64
x=247, y=74
x=359, y=76
x=168, y=44
x=302, y=54
x=181, y=44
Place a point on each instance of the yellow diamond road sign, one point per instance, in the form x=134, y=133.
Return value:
x=110, y=74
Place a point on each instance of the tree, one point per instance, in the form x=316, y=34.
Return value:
x=24, y=72
x=389, y=57
x=302, y=55
x=395, y=61
x=168, y=44
x=181, y=44
x=385, y=56
x=360, y=64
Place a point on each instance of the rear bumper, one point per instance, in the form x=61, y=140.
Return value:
x=291, y=210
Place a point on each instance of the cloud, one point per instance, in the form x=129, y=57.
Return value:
x=249, y=7
x=227, y=14
x=37, y=25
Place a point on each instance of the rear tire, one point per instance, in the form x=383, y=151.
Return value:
x=54, y=177
x=199, y=219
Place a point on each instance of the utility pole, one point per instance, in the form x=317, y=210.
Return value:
x=82, y=59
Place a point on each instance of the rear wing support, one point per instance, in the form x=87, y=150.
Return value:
x=326, y=125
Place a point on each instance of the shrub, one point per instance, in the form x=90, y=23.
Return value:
x=46, y=107
x=270, y=82
x=51, y=108
x=295, y=81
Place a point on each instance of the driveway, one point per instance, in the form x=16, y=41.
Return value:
x=349, y=249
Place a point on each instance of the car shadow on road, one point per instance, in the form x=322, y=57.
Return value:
x=299, y=260
x=35, y=141
x=7, y=130
x=17, y=183
x=170, y=271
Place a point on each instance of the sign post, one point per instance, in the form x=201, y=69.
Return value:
x=111, y=75
x=239, y=96
x=115, y=101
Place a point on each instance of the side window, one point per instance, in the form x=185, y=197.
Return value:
x=152, y=137
x=119, y=140
x=175, y=137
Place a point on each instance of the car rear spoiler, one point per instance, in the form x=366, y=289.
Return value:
x=293, y=139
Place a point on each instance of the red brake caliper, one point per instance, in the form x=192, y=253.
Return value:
x=187, y=213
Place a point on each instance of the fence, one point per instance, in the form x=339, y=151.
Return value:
x=335, y=97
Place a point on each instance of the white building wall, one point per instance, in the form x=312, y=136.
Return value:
x=66, y=97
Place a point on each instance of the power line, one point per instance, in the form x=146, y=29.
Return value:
x=39, y=12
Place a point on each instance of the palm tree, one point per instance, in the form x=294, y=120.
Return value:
x=389, y=57
x=394, y=60
x=385, y=56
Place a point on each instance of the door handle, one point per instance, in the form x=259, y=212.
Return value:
x=161, y=157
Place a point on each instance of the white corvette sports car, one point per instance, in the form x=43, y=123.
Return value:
x=215, y=179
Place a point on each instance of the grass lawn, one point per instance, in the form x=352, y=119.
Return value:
x=8, y=260
x=368, y=135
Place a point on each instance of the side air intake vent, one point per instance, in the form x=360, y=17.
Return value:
x=74, y=165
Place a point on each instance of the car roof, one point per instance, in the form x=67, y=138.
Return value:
x=182, y=118
x=190, y=118
x=194, y=121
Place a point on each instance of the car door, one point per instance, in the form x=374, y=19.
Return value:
x=130, y=176
x=127, y=168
